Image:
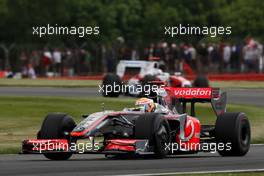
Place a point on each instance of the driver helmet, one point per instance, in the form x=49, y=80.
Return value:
x=145, y=105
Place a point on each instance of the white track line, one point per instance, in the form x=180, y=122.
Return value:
x=198, y=172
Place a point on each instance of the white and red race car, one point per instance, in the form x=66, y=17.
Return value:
x=137, y=73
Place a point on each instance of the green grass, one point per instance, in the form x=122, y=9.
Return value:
x=49, y=83
x=21, y=117
x=95, y=83
x=238, y=84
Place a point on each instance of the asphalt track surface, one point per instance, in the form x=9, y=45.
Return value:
x=99, y=165
x=238, y=96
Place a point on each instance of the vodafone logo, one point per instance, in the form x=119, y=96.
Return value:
x=189, y=93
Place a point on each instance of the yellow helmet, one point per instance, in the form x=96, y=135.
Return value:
x=145, y=104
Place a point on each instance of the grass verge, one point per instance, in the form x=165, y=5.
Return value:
x=21, y=117
x=238, y=84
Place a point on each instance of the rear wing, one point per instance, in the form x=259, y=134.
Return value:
x=182, y=96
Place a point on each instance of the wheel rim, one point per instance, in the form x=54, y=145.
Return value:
x=163, y=135
x=244, y=135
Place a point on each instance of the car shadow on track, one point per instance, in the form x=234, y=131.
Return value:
x=146, y=157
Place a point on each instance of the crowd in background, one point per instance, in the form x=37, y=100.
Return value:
x=222, y=57
x=54, y=62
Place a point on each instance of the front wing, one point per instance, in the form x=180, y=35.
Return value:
x=113, y=146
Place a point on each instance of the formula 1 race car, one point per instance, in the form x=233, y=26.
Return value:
x=135, y=74
x=165, y=131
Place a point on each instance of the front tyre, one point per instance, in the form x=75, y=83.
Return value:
x=156, y=129
x=55, y=126
x=233, y=128
x=147, y=86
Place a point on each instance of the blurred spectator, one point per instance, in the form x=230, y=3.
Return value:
x=202, y=55
x=23, y=63
x=57, y=61
x=46, y=61
x=235, y=57
x=261, y=61
x=187, y=58
x=150, y=51
x=214, y=57
x=135, y=54
x=88, y=61
x=31, y=72
x=110, y=59
x=35, y=60
x=192, y=52
x=166, y=56
x=252, y=55
x=174, y=59
x=226, y=57
x=158, y=51
x=69, y=63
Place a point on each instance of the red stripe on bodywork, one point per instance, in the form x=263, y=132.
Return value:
x=121, y=145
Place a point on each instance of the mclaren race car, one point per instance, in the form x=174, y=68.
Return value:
x=156, y=129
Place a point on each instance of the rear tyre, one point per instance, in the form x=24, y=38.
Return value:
x=156, y=129
x=233, y=128
x=110, y=81
x=54, y=127
x=201, y=81
x=147, y=85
